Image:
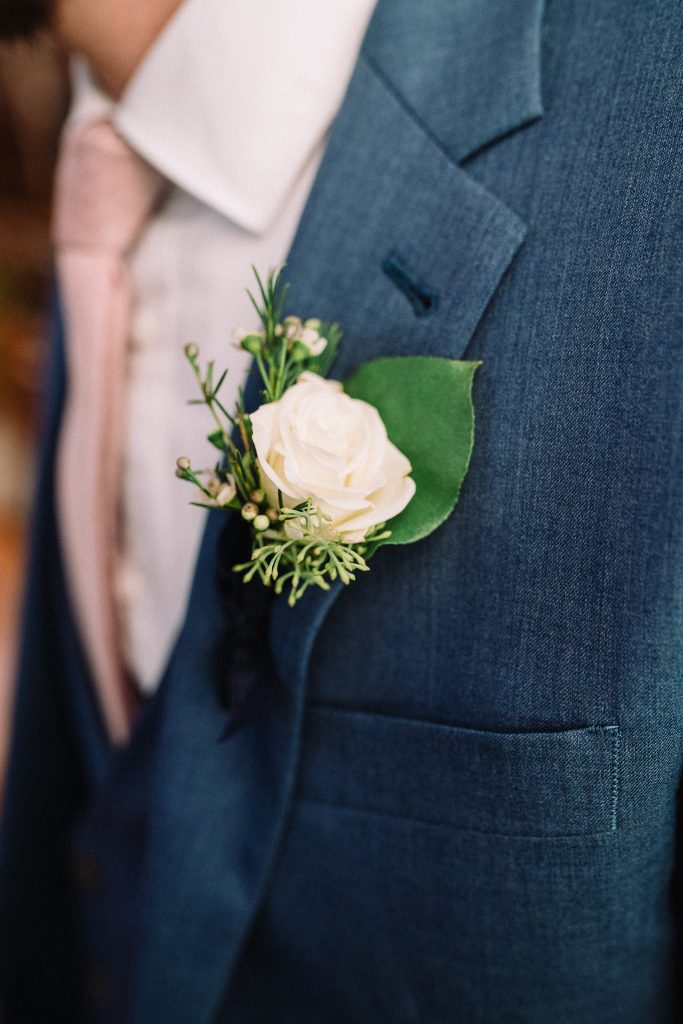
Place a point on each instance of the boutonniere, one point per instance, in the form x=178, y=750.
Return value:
x=326, y=472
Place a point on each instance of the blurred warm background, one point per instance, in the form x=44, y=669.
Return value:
x=32, y=105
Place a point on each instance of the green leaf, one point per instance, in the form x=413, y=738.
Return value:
x=217, y=439
x=426, y=405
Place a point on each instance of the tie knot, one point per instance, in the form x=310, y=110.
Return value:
x=104, y=191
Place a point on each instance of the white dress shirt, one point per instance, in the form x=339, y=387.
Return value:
x=232, y=104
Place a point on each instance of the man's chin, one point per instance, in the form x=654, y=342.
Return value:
x=21, y=19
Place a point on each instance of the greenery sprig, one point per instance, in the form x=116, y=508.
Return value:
x=307, y=555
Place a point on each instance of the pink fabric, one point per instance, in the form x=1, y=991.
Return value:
x=104, y=194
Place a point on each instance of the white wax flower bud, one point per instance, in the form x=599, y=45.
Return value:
x=183, y=462
x=309, y=337
x=222, y=491
x=226, y=494
x=292, y=326
x=213, y=484
x=261, y=522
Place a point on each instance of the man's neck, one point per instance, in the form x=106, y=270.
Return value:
x=113, y=37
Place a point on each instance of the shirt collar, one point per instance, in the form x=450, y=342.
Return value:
x=233, y=98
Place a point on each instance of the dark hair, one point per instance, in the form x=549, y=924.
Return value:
x=20, y=19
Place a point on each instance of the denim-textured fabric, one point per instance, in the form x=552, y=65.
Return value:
x=105, y=855
x=466, y=808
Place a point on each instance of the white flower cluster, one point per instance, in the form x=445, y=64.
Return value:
x=305, y=333
x=221, y=492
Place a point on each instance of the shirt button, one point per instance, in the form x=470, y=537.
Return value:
x=85, y=873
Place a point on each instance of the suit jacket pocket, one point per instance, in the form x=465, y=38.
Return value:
x=514, y=783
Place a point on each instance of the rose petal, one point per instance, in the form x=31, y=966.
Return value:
x=317, y=442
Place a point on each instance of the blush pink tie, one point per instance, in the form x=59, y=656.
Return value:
x=104, y=194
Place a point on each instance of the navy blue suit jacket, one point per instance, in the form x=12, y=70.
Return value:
x=466, y=807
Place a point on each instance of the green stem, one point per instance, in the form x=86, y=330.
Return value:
x=264, y=375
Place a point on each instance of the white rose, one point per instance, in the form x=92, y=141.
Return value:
x=317, y=442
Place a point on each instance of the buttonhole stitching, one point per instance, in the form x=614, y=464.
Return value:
x=615, y=732
x=423, y=299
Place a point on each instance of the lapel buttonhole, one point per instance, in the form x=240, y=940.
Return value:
x=422, y=298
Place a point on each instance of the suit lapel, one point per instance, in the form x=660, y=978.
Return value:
x=402, y=246
x=469, y=72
